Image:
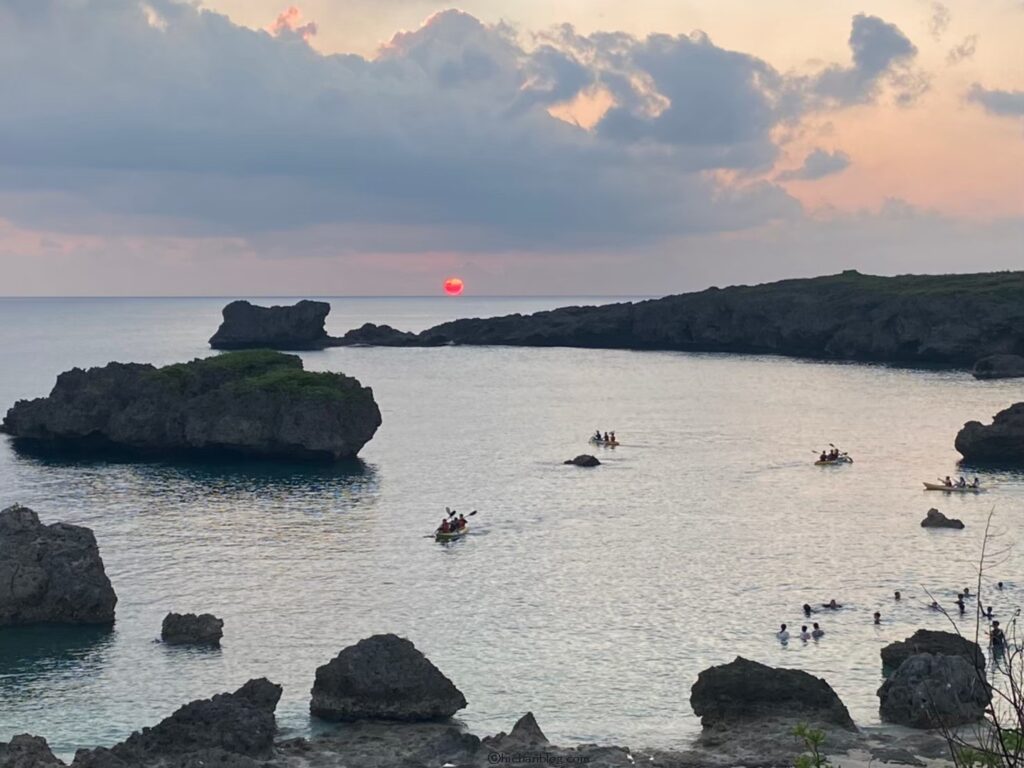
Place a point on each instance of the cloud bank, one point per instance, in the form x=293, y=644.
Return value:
x=159, y=118
x=817, y=165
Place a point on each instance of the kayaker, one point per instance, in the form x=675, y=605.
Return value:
x=804, y=634
x=817, y=632
x=783, y=634
x=597, y=435
x=606, y=437
x=961, y=483
x=824, y=456
x=445, y=527
x=975, y=484
x=947, y=482
x=996, y=637
x=613, y=437
x=462, y=522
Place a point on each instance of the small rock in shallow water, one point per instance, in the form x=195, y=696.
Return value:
x=584, y=460
x=935, y=519
x=189, y=629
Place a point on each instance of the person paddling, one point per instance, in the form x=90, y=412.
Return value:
x=445, y=526
x=462, y=522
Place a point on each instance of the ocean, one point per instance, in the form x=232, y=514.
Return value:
x=592, y=597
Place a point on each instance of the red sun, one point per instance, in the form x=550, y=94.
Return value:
x=453, y=286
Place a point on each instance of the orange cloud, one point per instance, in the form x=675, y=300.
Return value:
x=289, y=21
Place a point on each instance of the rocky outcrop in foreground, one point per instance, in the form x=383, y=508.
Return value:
x=935, y=519
x=189, y=629
x=929, y=691
x=934, y=642
x=999, y=367
x=51, y=573
x=256, y=403
x=237, y=731
x=383, y=677
x=936, y=319
x=296, y=327
x=744, y=690
x=1001, y=442
x=583, y=460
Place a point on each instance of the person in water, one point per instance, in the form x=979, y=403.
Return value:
x=804, y=634
x=783, y=634
x=817, y=632
x=897, y=596
x=878, y=617
x=831, y=605
x=999, y=586
x=967, y=591
x=960, y=604
x=988, y=612
x=807, y=610
x=996, y=637
x=935, y=606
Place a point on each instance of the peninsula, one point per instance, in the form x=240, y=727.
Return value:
x=949, y=320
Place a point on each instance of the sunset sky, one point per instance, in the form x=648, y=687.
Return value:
x=375, y=147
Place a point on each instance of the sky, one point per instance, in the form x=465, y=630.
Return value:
x=589, y=147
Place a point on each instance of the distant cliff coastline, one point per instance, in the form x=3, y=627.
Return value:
x=915, y=319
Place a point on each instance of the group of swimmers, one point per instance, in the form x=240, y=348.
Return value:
x=961, y=483
x=997, y=637
x=454, y=525
x=609, y=437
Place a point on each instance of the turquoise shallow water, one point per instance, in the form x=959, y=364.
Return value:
x=592, y=597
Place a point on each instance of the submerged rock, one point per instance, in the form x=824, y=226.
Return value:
x=51, y=573
x=27, y=752
x=189, y=629
x=1001, y=442
x=744, y=690
x=929, y=691
x=999, y=367
x=935, y=519
x=213, y=731
x=584, y=460
x=934, y=642
x=383, y=677
x=256, y=403
x=296, y=327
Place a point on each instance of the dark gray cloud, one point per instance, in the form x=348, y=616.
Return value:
x=996, y=102
x=882, y=54
x=155, y=116
x=817, y=165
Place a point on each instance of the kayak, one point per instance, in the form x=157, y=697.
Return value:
x=451, y=536
x=952, y=488
x=609, y=443
x=833, y=462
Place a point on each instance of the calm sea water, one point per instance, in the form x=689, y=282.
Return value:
x=592, y=597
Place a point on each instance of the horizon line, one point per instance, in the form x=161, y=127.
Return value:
x=363, y=296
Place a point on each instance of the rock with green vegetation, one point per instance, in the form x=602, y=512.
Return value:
x=933, y=319
x=254, y=403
